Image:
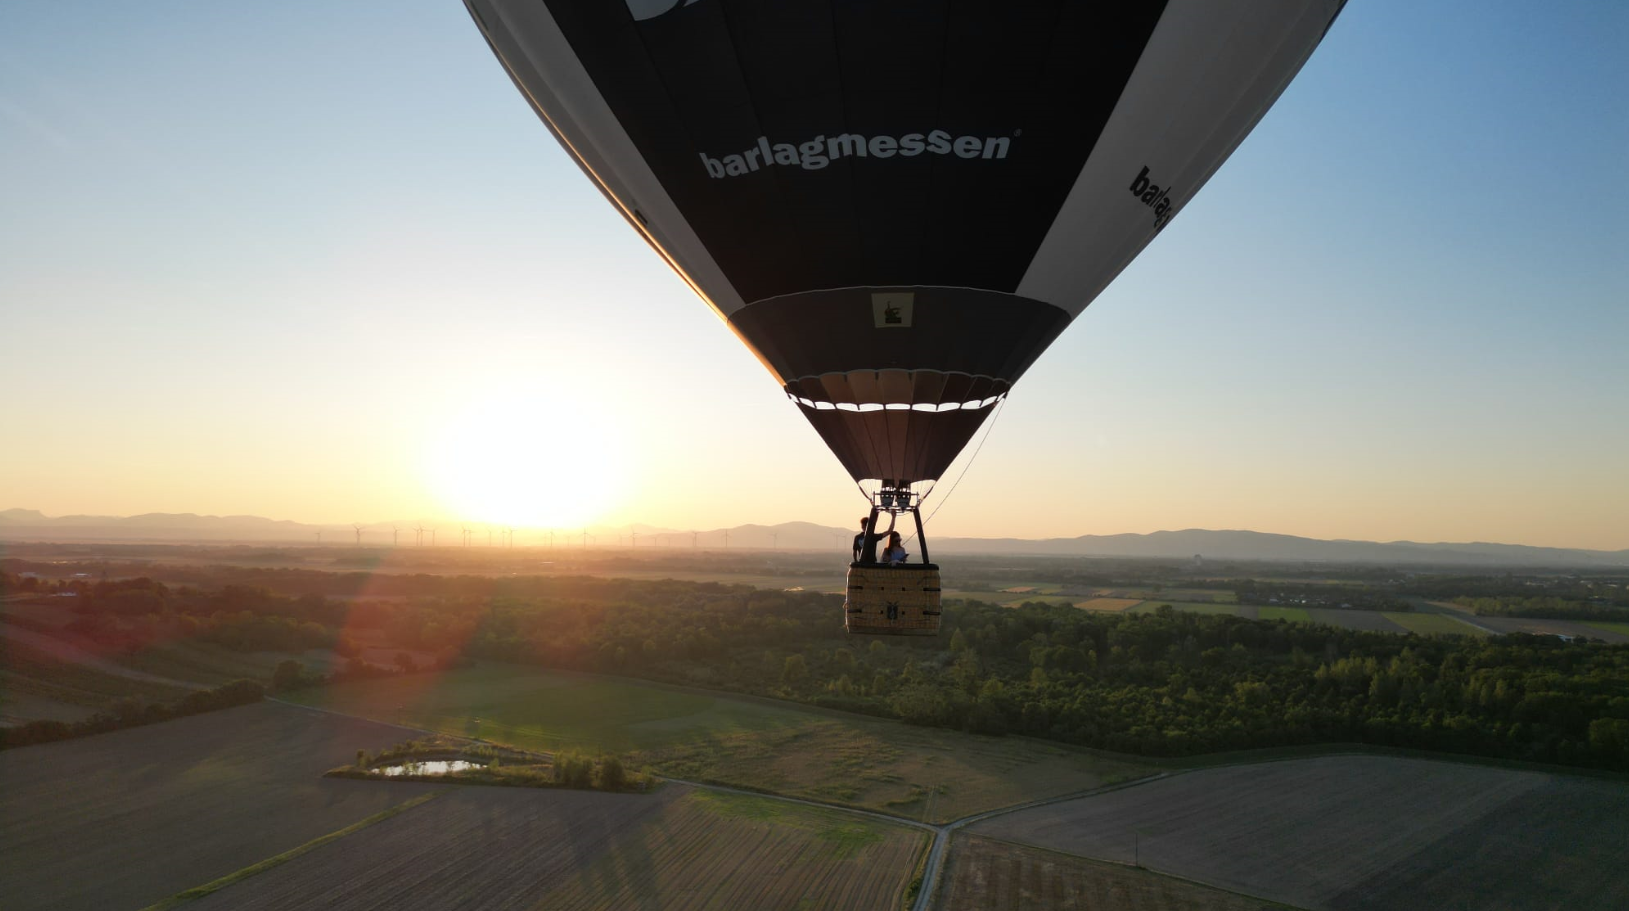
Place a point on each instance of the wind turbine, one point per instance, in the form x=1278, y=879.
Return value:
x=635, y=539
x=693, y=536
x=726, y=539
x=418, y=538
x=510, y=533
x=465, y=530
x=432, y=537
x=774, y=540
x=358, y=533
x=395, y=534
x=319, y=537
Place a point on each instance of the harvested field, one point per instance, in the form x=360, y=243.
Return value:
x=125, y=819
x=495, y=848
x=1292, y=614
x=1109, y=604
x=1433, y=624
x=989, y=875
x=758, y=743
x=1360, y=832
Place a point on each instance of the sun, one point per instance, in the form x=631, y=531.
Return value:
x=528, y=460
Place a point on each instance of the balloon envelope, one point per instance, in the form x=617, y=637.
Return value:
x=899, y=205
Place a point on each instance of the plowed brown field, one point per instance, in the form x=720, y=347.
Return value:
x=122, y=820
x=992, y=875
x=501, y=848
x=1369, y=832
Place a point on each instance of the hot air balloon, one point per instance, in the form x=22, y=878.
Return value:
x=898, y=205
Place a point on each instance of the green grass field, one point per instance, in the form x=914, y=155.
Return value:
x=1296, y=614
x=1621, y=629
x=828, y=756
x=1430, y=624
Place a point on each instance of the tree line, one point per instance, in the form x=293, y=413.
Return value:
x=129, y=713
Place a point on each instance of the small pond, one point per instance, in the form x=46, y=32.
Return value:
x=430, y=767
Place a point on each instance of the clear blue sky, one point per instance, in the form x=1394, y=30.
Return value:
x=267, y=258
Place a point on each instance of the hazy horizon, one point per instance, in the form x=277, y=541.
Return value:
x=531, y=535
x=343, y=271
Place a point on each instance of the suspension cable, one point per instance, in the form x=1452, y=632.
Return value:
x=987, y=428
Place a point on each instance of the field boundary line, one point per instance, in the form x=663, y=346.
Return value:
x=817, y=804
x=197, y=892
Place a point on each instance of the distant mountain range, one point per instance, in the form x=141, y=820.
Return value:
x=32, y=525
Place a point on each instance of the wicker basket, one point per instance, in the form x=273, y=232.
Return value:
x=892, y=600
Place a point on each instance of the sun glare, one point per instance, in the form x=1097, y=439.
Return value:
x=529, y=461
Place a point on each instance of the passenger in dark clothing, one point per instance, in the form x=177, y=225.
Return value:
x=894, y=554
x=865, y=544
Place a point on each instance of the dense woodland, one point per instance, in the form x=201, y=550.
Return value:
x=1164, y=684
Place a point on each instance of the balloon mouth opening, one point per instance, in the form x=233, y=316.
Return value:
x=931, y=407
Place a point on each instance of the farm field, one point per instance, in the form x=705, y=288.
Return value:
x=1108, y=604
x=1593, y=630
x=984, y=874
x=1621, y=629
x=915, y=772
x=1293, y=614
x=1359, y=832
x=1432, y=624
x=499, y=848
x=125, y=819
x=41, y=677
